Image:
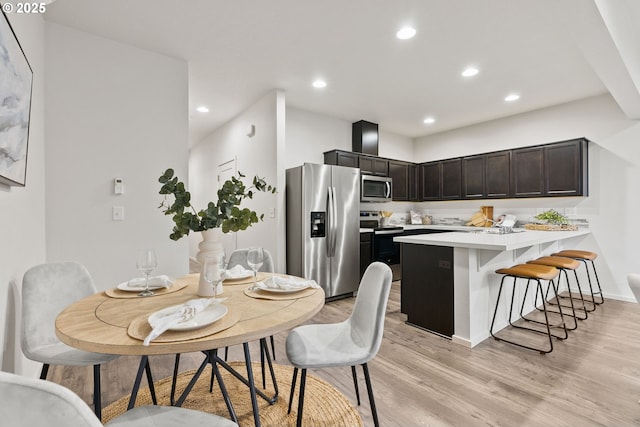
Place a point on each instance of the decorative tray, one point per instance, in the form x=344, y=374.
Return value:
x=551, y=227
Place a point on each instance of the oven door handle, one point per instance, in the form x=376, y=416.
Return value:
x=378, y=232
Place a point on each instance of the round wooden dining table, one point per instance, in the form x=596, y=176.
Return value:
x=101, y=322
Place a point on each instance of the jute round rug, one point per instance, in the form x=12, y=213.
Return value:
x=324, y=406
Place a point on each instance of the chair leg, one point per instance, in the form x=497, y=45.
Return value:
x=355, y=383
x=372, y=402
x=293, y=388
x=176, y=365
x=303, y=380
x=97, y=402
x=45, y=370
x=597, y=282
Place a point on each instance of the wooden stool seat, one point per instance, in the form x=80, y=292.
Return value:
x=530, y=271
x=571, y=253
x=556, y=261
x=535, y=273
x=564, y=264
x=586, y=257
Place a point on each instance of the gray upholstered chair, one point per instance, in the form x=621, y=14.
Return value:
x=352, y=342
x=31, y=402
x=634, y=284
x=46, y=290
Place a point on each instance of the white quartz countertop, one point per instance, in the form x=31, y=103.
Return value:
x=366, y=230
x=497, y=242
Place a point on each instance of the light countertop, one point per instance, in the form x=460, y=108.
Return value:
x=497, y=242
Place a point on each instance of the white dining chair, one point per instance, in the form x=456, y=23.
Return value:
x=46, y=290
x=634, y=284
x=352, y=342
x=28, y=402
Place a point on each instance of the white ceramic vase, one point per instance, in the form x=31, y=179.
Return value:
x=210, y=245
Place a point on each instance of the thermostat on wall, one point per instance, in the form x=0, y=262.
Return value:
x=118, y=186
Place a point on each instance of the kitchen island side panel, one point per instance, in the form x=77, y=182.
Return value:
x=427, y=290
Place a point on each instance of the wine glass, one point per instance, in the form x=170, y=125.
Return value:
x=214, y=268
x=255, y=258
x=146, y=262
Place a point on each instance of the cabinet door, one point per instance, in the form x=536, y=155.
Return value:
x=473, y=177
x=527, y=177
x=341, y=158
x=564, y=169
x=399, y=172
x=431, y=180
x=374, y=166
x=451, y=179
x=414, y=183
x=366, y=251
x=497, y=174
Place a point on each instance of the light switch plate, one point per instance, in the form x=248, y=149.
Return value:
x=117, y=213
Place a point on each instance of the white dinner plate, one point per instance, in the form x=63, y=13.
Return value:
x=124, y=286
x=243, y=276
x=283, y=291
x=206, y=317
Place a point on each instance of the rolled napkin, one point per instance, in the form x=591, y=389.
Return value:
x=182, y=313
x=155, y=282
x=237, y=272
x=286, y=283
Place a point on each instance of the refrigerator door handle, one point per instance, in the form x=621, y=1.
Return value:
x=329, y=220
x=334, y=222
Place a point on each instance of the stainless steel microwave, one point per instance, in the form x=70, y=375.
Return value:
x=375, y=188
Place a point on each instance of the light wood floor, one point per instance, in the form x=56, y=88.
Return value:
x=419, y=379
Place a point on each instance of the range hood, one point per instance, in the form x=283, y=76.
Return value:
x=364, y=137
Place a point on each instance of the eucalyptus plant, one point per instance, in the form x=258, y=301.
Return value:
x=225, y=213
x=552, y=217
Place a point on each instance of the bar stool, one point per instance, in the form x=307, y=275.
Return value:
x=586, y=257
x=563, y=264
x=535, y=273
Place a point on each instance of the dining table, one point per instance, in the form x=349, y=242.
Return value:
x=116, y=322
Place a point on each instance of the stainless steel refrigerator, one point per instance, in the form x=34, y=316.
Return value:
x=323, y=229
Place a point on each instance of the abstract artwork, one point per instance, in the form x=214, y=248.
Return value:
x=16, y=77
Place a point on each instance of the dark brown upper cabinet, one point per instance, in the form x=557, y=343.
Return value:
x=486, y=176
x=497, y=175
x=405, y=180
x=473, y=177
x=431, y=179
x=376, y=166
x=451, y=179
x=551, y=170
x=564, y=168
x=341, y=158
x=527, y=172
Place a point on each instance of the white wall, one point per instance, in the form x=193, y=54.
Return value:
x=309, y=135
x=614, y=169
x=22, y=209
x=256, y=155
x=113, y=110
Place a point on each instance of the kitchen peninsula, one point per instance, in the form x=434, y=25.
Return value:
x=449, y=285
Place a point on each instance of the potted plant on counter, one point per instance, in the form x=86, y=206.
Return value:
x=220, y=216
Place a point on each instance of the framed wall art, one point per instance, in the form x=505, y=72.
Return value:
x=16, y=79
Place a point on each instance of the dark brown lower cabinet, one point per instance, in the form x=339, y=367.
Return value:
x=426, y=293
x=366, y=251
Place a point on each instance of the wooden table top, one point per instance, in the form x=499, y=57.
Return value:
x=99, y=323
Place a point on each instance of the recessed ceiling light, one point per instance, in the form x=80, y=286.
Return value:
x=470, y=72
x=202, y=109
x=429, y=120
x=319, y=84
x=512, y=97
x=406, y=33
